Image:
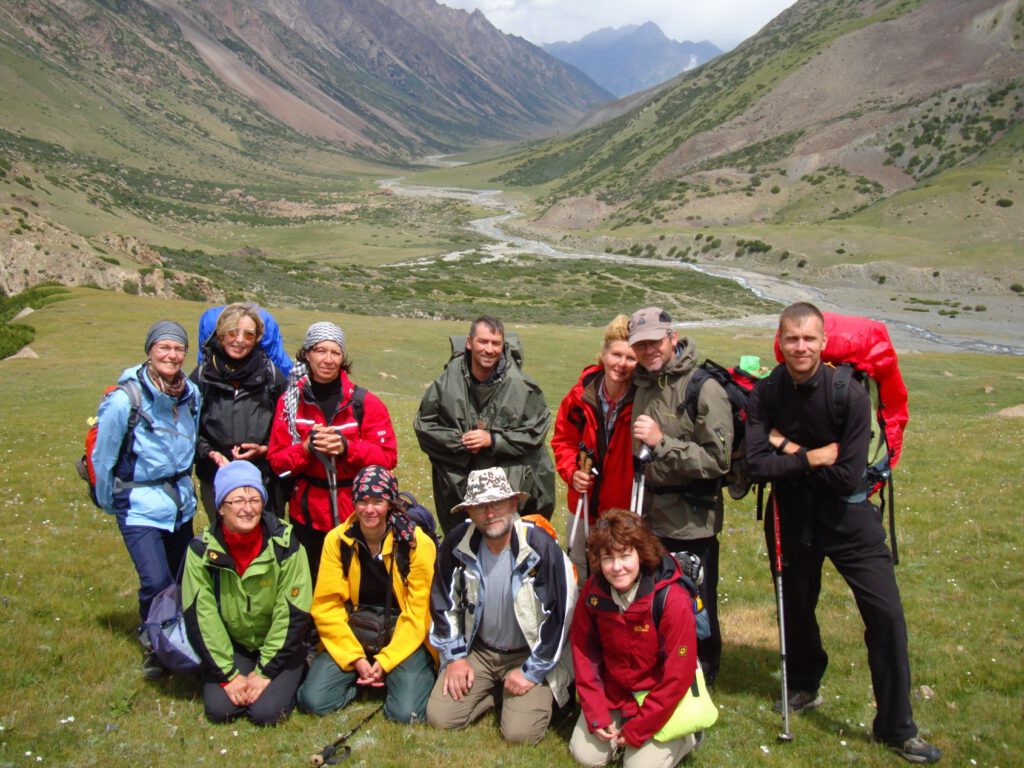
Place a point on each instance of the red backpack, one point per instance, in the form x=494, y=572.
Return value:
x=84, y=465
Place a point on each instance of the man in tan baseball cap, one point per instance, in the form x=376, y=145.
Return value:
x=687, y=449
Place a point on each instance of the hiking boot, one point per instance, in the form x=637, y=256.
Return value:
x=917, y=750
x=800, y=701
x=152, y=667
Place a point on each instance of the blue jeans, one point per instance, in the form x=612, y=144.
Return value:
x=157, y=555
x=328, y=687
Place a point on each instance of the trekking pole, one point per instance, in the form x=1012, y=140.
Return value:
x=338, y=751
x=331, y=471
x=640, y=460
x=584, y=463
x=786, y=735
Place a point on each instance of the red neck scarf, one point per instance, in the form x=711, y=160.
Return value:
x=243, y=547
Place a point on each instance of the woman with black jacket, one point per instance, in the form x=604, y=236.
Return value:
x=240, y=388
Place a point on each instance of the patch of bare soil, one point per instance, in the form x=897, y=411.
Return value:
x=576, y=213
x=1014, y=412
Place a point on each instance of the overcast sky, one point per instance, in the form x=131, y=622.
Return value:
x=724, y=22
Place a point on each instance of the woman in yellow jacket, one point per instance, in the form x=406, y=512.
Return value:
x=371, y=606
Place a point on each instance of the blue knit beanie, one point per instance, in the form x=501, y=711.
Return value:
x=237, y=474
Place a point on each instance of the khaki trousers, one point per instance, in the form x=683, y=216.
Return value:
x=589, y=749
x=524, y=719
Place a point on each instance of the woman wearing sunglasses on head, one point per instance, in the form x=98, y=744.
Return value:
x=240, y=387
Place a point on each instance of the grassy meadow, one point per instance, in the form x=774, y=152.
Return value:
x=71, y=692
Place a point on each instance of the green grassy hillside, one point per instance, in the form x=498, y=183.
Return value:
x=70, y=688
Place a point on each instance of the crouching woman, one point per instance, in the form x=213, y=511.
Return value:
x=620, y=650
x=371, y=606
x=246, y=597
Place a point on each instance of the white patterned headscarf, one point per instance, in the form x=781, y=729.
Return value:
x=299, y=374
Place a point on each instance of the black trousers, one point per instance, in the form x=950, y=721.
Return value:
x=709, y=650
x=274, y=704
x=867, y=568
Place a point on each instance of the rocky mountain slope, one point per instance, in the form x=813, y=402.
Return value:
x=634, y=58
x=870, y=113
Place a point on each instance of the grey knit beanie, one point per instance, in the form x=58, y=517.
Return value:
x=166, y=329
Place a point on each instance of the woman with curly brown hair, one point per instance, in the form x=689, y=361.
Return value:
x=620, y=648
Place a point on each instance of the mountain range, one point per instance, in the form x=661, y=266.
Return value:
x=391, y=79
x=145, y=139
x=633, y=58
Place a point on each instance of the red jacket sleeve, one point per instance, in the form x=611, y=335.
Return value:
x=587, y=656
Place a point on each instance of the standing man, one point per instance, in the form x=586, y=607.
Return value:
x=501, y=605
x=688, y=456
x=483, y=411
x=817, y=469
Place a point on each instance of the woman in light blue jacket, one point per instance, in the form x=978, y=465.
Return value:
x=144, y=474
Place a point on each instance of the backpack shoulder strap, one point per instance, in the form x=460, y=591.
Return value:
x=403, y=559
x=359, y=403
x=839, y=394
x=658, y=606
x=692, y=394
x=346, y=558
x=134, y=392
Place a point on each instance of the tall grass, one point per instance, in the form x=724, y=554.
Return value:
x=71, y=692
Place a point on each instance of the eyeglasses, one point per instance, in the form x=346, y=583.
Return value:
x=251, y=501
x=501, y=505
x=248, y=335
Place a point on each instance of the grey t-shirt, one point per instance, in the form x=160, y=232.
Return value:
x=498, y=625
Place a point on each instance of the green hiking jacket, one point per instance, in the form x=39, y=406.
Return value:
x=513, y=408
x=265, y=610
x=688, y=451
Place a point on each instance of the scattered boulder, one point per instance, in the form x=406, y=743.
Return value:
x=1013, y=412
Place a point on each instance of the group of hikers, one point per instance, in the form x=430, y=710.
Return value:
x=316, y=578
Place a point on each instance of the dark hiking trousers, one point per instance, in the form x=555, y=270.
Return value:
x=869, y=572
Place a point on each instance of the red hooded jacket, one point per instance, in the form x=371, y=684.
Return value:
x=616, y=653
x=371, y=442
x=580, y=420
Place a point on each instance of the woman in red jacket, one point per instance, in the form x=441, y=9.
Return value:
x=325, y=425
x=596, y=414
x=620, y=649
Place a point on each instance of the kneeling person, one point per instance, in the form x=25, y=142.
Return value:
x=508, y=647
x=371, y=606
x=246, y=593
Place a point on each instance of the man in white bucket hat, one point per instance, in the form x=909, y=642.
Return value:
x=509, y=646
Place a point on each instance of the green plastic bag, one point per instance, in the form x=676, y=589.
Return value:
x=694, y=713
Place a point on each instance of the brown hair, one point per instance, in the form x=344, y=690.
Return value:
x=494, y=324
x=232, y=313
x=800, y=311
x=619, y=530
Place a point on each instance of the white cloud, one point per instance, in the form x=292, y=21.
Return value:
x=724, y=22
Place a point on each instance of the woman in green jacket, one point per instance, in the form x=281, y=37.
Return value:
x=375, y=565
x=247, y=594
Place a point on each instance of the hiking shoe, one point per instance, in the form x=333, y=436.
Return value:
x=800, y=701
x=152, y=667
x=917, y=750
